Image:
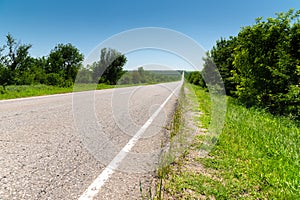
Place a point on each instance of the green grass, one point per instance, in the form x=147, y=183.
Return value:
x=12, y=91
x=19, y=91
x=255, y=157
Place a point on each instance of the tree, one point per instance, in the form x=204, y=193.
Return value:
x=39, y=69
x=65, y=60
x=211, y=75
x=223, y=56
x=109, y=69
x=4, y=76
x=18, y=54
x=196, y=78
x=260, y=66
x=16, y=62
x=265, y=63
x=3, y=69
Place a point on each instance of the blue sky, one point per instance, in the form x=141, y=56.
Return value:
x=85, y=24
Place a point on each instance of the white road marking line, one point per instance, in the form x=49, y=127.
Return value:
x=34, y=97
x=95, y=187
x=53, y=95
x=59, y=95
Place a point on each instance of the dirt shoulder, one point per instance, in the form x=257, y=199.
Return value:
x=182, y=156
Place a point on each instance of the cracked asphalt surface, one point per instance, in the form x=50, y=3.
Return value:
x=51, y=149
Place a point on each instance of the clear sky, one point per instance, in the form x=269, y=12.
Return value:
x=85, y=24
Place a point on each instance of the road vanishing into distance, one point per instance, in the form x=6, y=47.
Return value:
x=87, y=145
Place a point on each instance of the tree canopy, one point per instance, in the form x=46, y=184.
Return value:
x=60, y=67
x=261, y=65
x=109, y=69
x=65, y=62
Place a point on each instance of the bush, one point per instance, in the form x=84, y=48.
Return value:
x=54, y=79
x=260, y=66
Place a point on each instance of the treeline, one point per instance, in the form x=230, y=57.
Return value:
x=63, y=67
x=139, y=76
x=261, y=65
x=108, y=70
x=147, y=76
x=17, y=67
x=59, y=68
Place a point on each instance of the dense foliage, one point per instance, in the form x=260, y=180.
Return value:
x=261, y=65
x=109, y=68
x=17, y=67
x=63, y=63
x=195, y=78
x=60, y=68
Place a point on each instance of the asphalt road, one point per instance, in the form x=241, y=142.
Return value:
x=54, y=147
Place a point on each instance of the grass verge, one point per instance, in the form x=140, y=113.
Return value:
x=19, y=91
x=257, y=156
x=181, y=130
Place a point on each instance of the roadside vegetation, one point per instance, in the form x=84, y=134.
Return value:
x=255, y=157
x=19, y=91
x=260, y=66
x=257, y=154
x=22, y=75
